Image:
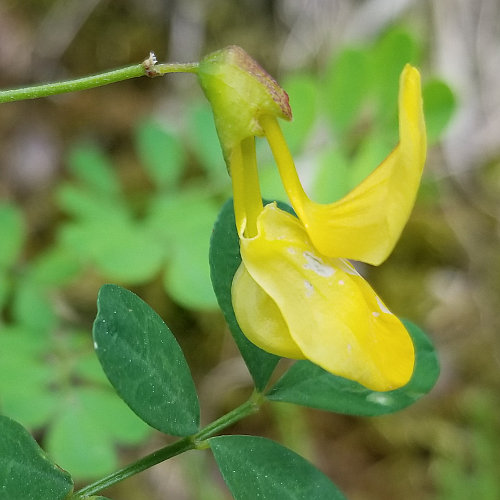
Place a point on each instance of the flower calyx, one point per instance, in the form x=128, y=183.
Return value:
x=240, y=91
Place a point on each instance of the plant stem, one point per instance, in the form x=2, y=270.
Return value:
x=147, y=68
x=196, y=441
x=144, y=463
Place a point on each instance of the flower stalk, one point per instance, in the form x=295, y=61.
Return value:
x=147, y=68
x=196, y=441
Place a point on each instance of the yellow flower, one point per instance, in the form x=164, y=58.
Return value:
x=294, y=294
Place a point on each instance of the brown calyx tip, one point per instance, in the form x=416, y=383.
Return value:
x=241, y=58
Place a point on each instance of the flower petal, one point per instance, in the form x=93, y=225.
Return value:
x=366, y=224
x=331, y=313
x=259, y=317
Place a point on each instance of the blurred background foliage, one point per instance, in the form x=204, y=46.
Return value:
x=122, y=184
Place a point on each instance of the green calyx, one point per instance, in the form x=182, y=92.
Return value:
x=240, y=91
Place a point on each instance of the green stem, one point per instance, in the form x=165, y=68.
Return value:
x=147, y=68
x=196, y=441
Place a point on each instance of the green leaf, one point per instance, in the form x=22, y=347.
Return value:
x=439, y=106
x=302, y=91
x=187, y=277
x=32, y=308
x=78, y=444
x=224, y=261
x=110, y=413
x=5, y=288
x=160, y=152
x=270, y=181
x=396, y=48
x=345, y=87
x=144, y=362
x=87, y=368
x=90, y=165
x=93, y=420
x=309, y=385
x=255, y=467
x=26, y=379
x=128, y=253
x=121, y=249
x=25, y=471
x=205, y=141
x=55, y=267
x=13, y=234
x=32, y=406
x=182, y=224
x=332, y=179
x=372, y=151
x=89, y=205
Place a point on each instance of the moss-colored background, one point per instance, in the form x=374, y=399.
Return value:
x=444, y=274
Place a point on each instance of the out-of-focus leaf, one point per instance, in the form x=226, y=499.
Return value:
x=25, y=471
x=302, y=91
x=309, y=385
x=5, y=287
x=34, y=407
x=270, y=182
x=111, y=414
x=91, y=166
x=345, y=87
x=182, y=223
x=121, y=250
x=26, y=379
x=85, y=204
x=23, y=342
x=160, y=152
x=32, y=307
x=144, y=362
x=94, y=420
x=205, y=142
x=332, y=179
x=187, y=277
x=55, y=267
x=396, y=48
x=12, y=233
x=78, y=444
x=439, y=106
x=371, y=153
x=88, y=369
x=255, y=467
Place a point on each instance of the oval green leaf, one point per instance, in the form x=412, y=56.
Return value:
x=309, y=385
x=144, y=362
x=25, y=470
x=256, y=467
x=225, y=259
